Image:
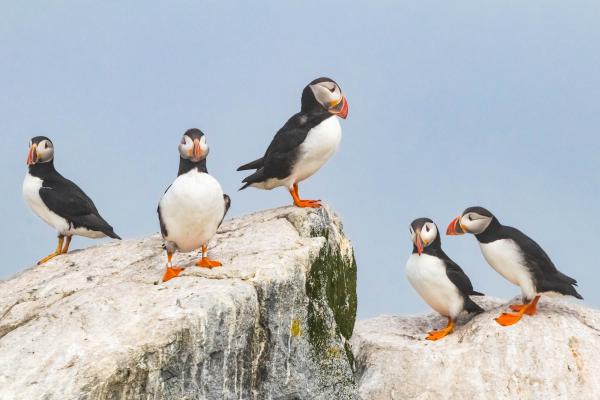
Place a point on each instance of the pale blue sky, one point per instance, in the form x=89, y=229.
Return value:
x=452, y=104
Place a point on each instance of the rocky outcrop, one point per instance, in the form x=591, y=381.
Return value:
x=554, y=355
x=272, y=323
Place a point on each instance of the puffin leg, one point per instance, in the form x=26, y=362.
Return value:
x=171, y=271
x=57, y=252
x=298, y=202
x=507, y=319
x=67, y=244
x=437, y=335
x=206, y=262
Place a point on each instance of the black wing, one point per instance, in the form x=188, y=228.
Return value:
x=66, y=199
x=282, y=152
x=227, y=201
x=458, y=277
x=546, y=275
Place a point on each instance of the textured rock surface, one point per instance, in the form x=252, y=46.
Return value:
x=554, y=355
x=273, y=322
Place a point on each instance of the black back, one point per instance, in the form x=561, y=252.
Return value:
x=545, y=275
x=67, y=200
x=282, y=153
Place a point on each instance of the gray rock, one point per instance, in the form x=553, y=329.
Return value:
x=553, y=355
x=272, y=323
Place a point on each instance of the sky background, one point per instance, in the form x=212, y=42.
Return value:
x=452, y=104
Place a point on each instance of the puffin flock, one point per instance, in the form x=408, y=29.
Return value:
x=193, y=207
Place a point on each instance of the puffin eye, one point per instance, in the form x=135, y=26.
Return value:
x=470, y=218
x=427, y=228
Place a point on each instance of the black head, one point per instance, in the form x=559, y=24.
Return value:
x=324, y=95
x=424, y=234
x=475, y=220
x=41, y=151
x=193, y=146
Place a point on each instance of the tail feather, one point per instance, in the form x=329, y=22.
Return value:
x=258, y=176
x=256, y=164
x=111, y=234
x=472, y=307
x=474, y=293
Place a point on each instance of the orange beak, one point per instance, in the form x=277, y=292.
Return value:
x=197, y=151
x=343, y=112
x=419, y=243
x=32, y=156
x=454, y=228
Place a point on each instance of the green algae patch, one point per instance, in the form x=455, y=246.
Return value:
x=331, y=289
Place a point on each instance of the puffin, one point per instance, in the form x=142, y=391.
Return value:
x=193, y=206
x=438, y=279
x=304, y=144
x=516, y=257
x=58, y=201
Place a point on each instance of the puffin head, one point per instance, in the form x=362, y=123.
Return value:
x=324, y=93
x=41, y=150
x=193, y=146
x=473, y=220
x=423, y=232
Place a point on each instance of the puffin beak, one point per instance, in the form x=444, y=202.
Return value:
x=455, y=228
x=197, y=151
x=419, y=242
x=340, y=108
x=32, y=156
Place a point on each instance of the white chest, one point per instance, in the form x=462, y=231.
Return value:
x=320, y=144
x=31, y=194
x=427, y=274
x=505, y=257
x=192, y=209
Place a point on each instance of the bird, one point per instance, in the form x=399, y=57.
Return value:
x=438, y=279
x=193, y=206
x=516, y=257
x=58, y=201
x=304, y=144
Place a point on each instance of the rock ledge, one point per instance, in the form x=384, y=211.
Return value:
x=274, y=322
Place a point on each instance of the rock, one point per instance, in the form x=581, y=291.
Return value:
x=553, y=355
x=272, y=323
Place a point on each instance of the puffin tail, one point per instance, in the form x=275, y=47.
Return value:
x=258, y=176
x=256, y=164
x=474, y=293
x=472, y=307
x=111, y=234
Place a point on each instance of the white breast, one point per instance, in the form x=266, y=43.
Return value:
x=505, y=257
x=192, y=209
x=427, y=274
x=320, y=144
x=31, y=194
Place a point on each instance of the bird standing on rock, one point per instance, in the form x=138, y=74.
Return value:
x=438, y=279
x=193, y=207
x=516, y=257
x=58, y=201
x=304, y=144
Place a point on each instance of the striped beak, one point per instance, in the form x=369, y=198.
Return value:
x=32, y=156
x=455, y=228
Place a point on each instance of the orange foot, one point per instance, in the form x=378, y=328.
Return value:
x=205, y=262
x=529, y=309
x=507, y=319
x=171, y=273
x=307, y=203
x=437, y=335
